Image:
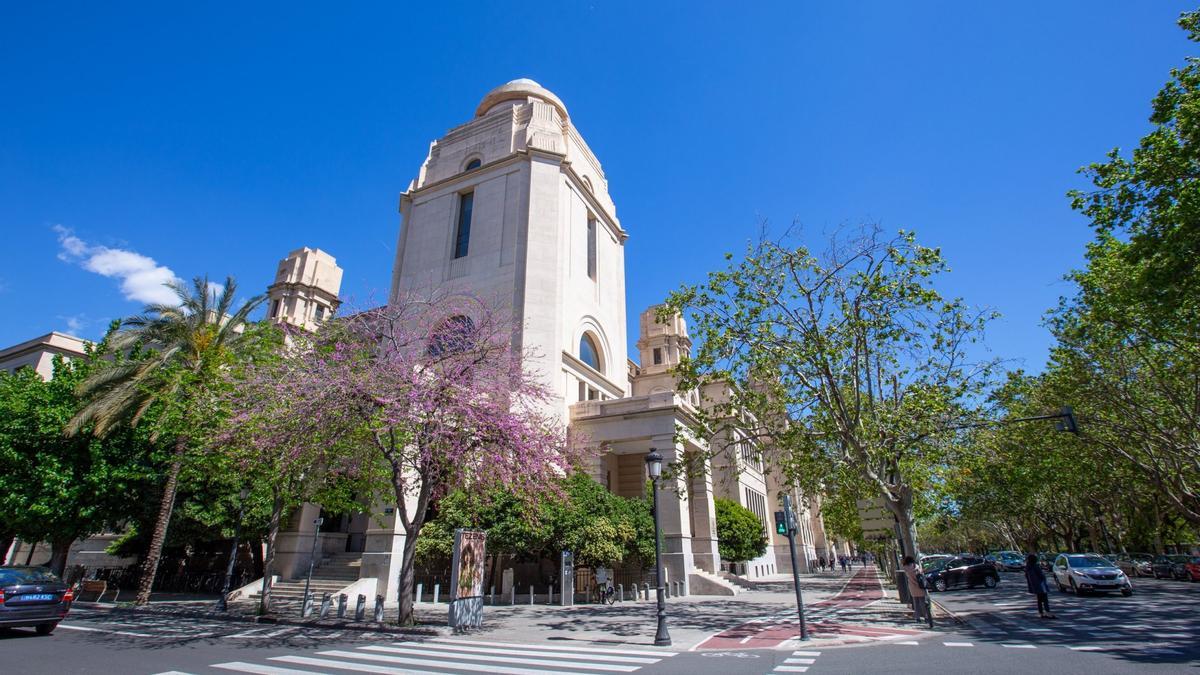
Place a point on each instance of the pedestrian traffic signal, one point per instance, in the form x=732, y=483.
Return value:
x=780, y=523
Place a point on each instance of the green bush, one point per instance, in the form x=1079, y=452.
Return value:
x=740, y=535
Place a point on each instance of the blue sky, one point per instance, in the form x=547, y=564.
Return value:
x=139, y=142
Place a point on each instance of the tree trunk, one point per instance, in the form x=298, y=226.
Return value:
x=408, y=577
x=264, y=599
x=1158, y=541
x=59, y=548
x=902, y=509
x=159, y=537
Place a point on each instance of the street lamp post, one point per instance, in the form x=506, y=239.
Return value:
x=654, y=468
x=312, y=558
x=223, y=602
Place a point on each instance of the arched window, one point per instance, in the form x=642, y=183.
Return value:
x=588, y=353
x=587, y=183
x=473, y=164
x=456, y=334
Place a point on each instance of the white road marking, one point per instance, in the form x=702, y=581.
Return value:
x=911, y=643
x=803, y=661
x=791, y=669
x=745, y=639
x=562, y=654
x=172, y=672
x=476, y=667
x=342, y=665
x=103, y=630
x=1040, y=630
x=243, y=667
x=802, y=653
x=1020, y=646
x=564, y=648
x=490, y=658
x=252, y=633
x=959, y=644
x=1088, y=648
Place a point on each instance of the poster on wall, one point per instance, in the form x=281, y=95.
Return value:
x=466, y=578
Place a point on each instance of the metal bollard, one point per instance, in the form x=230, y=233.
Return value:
x=379, y=609
x=551, y=601
x=512, y=594
x=437, y=590
x=326, y=605
x=667, y=590
x=306, y=608
x=621, y=592
x=360, y=611
x=420, y=592
x=531, y=594
x=493, y=594
x=646, y=588
x=341, y=612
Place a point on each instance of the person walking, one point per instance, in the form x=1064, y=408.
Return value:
x=1035, y=579
x=916, y=587
x=842, y=562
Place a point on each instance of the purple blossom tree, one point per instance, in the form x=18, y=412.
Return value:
x=433, y=391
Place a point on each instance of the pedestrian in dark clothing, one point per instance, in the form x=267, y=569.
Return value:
x=1035, y=579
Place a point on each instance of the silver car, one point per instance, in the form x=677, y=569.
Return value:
x=1087, y=573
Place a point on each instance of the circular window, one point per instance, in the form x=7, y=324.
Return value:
x=473, y=164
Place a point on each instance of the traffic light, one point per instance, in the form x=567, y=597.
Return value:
x=780, y=523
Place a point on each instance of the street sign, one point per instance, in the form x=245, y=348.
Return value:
x=877, y=521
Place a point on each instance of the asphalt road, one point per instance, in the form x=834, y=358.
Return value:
x=1155, y=631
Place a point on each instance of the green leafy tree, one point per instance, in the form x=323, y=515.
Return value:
x=740, y=535
x=850, y=359
x=56, y=488
x=177, y=357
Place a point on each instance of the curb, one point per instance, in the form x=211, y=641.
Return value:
x=957, y=619
x=426, y=631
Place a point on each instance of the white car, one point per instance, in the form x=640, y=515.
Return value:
x=1088, y=572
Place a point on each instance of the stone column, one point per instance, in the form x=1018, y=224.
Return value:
x=704, y=522
x=673, y=515
x=384, y=551
x=293, y=545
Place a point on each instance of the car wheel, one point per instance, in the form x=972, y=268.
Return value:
x=45, y=628
x=1074, y=588
x=1127, y=592
x=940, y=585
x=990, y=582
x=1061, y=588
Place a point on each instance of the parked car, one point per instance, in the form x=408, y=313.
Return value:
x=1191, y=568
x=969, y=571
x=1009, y=561
x=1136, y=564
x=33, y=596
x=1170, y=566
x=1088, y=572
x=1046, y=560
x=933, y=559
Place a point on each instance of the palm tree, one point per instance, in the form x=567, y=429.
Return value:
x=175, y=354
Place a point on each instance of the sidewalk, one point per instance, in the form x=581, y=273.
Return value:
x=833, y=600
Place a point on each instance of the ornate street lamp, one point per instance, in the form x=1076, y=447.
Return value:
x=223, y=602
x=654, y=469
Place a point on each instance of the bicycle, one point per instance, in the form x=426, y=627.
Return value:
x=606, y=594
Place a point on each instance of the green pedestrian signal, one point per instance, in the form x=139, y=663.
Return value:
x=780, y=523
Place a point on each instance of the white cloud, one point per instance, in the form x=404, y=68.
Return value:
x=75, y=324
x=142, y=279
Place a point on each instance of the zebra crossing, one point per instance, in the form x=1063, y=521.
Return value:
x=798, y=662
x=450, y=655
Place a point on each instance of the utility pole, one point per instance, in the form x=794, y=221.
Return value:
x=785, y=523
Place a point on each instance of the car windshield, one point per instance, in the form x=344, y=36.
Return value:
x=935, y=564
x=1178, y=558
x=1088, y=561
x=26, y=575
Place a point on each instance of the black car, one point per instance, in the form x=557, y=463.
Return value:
x=1170, y=566
x=961, y=571
x=33, y=596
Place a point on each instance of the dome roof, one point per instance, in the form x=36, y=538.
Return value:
x=519, y=90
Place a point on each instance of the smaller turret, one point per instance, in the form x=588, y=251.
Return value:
x=305, y=291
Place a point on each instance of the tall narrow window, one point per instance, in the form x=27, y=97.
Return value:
x=462, y=239
x=657, y=356
x=591, y=248
x=588, y=352
x=275, y=309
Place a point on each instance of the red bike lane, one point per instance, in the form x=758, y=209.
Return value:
x=829, y=621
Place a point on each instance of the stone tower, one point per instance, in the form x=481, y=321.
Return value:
x=513, y=208
x=305, y=291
